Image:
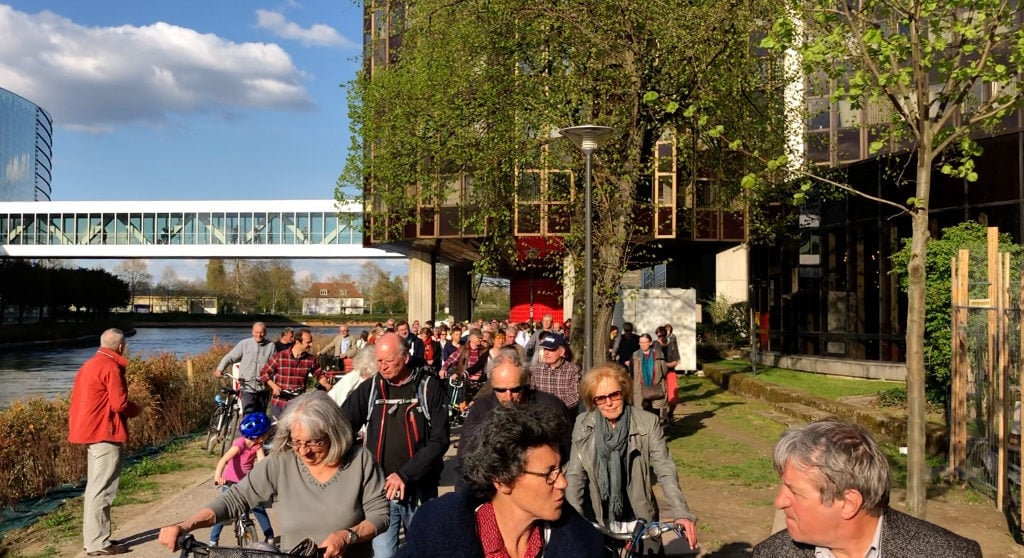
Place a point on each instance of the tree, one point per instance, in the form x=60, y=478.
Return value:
x=371, y=281
x=216, y=276
x=466, y=108
x=136, y=274
x=920, y=62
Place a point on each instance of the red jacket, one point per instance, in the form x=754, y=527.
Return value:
x=99, y=401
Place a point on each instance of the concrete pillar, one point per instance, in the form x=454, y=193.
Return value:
x=731, y=276
x=569, y=311
x=421, y=286
x=460, y=292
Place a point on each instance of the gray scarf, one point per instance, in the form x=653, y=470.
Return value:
x=611, y=450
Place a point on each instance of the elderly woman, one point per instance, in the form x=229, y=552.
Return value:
x=615, y=448
x=515, y=501
x=364, y=365
x=649, y=371
x=322, y=487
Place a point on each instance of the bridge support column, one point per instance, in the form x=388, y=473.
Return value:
x=421, y=286
x=460, y=292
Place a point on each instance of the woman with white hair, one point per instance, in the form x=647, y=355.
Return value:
x=323, y=487
x=364, y=365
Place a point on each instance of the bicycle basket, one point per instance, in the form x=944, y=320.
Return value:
x=199, y=550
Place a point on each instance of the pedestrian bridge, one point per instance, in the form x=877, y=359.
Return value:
x=292, y=229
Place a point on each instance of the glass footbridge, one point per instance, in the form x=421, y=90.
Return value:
x=185, y=229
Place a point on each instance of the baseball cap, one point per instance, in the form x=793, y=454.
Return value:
x=552, y=341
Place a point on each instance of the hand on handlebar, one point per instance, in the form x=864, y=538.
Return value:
x=690, y=529
x=170, y=535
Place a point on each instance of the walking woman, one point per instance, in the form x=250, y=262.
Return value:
x=649, y=377
x=618, y=451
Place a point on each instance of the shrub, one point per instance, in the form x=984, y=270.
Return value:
x=34, y=450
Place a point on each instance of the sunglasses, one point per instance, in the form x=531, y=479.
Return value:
x=517, y=389
x=613, y=396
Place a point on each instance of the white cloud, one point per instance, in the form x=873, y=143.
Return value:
x=317, y=34
x=96, y=78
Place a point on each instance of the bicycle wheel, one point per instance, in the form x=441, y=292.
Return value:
x=228, y=430
x=245, y=532
x=213, y=434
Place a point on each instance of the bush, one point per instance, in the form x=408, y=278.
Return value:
x=892, y=397
x=726, y=327
x=34, y=450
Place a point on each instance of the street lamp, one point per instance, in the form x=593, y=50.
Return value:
x=588, y=138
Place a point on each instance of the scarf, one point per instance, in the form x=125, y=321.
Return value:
x=647, y=366
x=611, y=451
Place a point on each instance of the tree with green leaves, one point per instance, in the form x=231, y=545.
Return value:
x=940, y=72
x=465, y=113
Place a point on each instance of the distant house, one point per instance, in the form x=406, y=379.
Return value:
x=332, y=299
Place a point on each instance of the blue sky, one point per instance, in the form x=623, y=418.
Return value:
x=189, y=99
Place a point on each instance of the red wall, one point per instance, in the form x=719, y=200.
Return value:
x=547, y=299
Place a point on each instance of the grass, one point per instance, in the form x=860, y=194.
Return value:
x=139, y=483
x=741, y=457
x=821, y=385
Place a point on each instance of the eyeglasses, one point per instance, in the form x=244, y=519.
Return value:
x=517, y=389
x=549, y=477
x=612, y=397
x=311, y=444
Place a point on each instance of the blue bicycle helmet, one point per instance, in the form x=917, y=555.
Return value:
x=254, y=425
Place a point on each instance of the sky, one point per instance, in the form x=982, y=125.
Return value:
x=190, y=99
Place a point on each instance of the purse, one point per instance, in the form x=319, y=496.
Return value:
x=653, y=392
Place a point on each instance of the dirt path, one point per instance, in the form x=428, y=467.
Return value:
x=728, y=432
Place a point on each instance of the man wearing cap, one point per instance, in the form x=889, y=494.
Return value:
x=555, y=375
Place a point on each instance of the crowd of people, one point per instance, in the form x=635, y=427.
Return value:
x=548, y=453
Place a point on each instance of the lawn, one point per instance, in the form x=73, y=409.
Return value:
x=822, y=385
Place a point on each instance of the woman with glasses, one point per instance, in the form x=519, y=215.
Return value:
x=514, y=503
x=618, y=451
x=649, y=371
x=323, y=488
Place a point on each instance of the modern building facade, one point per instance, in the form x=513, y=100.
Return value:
x=26, y=149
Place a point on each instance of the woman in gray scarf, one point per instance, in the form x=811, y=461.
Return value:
x=617, y=453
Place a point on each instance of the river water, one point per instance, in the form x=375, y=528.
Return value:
x=50, y=373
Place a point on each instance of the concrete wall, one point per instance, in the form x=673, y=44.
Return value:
x=731, y=273
x=836, y=367
x=650, y=308
x=421, y=286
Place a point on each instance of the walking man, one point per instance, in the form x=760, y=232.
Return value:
x=288, y=370
x=253, y=354
x=556, y=375
x=341, y=347
x=406, y=419
x=98, y=417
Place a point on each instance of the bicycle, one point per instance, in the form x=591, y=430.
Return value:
x=224, y=420
x=245, y=531
x=646, y=540
x=189, y=546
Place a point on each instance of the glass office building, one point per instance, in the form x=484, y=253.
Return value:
x=26, y=149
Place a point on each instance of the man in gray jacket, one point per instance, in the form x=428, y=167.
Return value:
x=252, y=354
x=835, y=496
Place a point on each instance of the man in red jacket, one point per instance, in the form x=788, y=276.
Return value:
x=98, y=418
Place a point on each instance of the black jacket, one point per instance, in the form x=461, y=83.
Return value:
x=429, y=439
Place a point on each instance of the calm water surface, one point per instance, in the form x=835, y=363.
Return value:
x=51, y=373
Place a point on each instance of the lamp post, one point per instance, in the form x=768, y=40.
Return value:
x=588, y=138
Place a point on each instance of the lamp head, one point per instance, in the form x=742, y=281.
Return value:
x=587, y=137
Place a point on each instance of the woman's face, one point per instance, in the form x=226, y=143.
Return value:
x=311, y=451
x=645, y=344
x=608, y=398
x=532, y=493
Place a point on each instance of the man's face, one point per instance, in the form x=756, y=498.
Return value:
x=507, y=383
x=554, y=356
x=259, y=332
x=390, y=360
x=807, y=519
x=403, y=330
x=546, y=322
x=343, y=331
x=390, y=323
x=415, y=325
x=287, y=337
x=303, y=342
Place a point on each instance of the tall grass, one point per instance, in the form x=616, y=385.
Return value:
x=34, y=451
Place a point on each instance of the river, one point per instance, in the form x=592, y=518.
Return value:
x=50, y=373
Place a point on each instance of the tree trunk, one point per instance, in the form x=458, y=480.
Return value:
x=917, y=474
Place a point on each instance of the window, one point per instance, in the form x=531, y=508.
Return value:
x=323, y=292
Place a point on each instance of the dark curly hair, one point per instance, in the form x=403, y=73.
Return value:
x=499, y=448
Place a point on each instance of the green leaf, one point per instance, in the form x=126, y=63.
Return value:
x=672, y=107
x=690, y=111
x=735, y=145
x=651, y=96
x=876, y=146
x=748, y=181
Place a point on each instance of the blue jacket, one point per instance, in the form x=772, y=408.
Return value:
x=446, y=526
